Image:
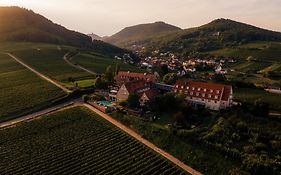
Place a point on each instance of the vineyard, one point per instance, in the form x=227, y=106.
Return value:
x=49, y=61
x=21, y=90
x=76, y=141
x=98, y=63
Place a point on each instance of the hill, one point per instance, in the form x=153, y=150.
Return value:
x=218, y=34
x=18, y=24
x=95, y=36
x=139, y=33
x=22, y=25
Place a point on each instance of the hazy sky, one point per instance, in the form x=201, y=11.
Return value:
x=106, y=17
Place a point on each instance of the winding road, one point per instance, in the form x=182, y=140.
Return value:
x=78, y=102
x=76, y=65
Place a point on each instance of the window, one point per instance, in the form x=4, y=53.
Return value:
x=191, y=93
x=211, y=90
x=187, y=87
x=193, y=88
x=197, y=94
x=216, y=97
x=203, y=95
x=216, y=102
x=210, y=96
x=177, y=86
x=205, y=90
x=202, y=99
x=199, y=89
x=218, y=91
x=182, y=87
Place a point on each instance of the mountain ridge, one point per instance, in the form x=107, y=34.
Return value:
x=137, y=32
x=217, y=34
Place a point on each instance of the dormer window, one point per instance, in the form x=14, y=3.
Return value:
x=211, y=90
x=205, y=90
x=218, y=91
x=193, y=88
x=199, y=89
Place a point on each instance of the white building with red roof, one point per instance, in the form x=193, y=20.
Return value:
x=209, y=95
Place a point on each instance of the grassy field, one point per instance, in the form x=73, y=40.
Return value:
x=21, y=90
x=76, y=141
x=98, y=63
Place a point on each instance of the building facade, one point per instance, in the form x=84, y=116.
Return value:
x=209, y=95
x=132, y=87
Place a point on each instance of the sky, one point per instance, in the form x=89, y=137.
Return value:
x=106, y=17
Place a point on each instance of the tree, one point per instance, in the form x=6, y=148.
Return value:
x=133, y=100
x=170, y=78
x=98, y=83
x=85, y=98
x=164, y=70
x=117, y=68
x=109, y=75
x=261, y=109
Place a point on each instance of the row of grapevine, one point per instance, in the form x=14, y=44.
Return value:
x=77, y=141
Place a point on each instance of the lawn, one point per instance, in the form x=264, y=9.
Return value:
x=98, y=63
x=48, y=59
x=76, y=141
x=21, y=90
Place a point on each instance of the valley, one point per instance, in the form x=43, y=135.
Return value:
x=151, y=99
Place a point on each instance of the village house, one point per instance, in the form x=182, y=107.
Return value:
x=124, y=77
x=209, y=95
x=148, y=96
x=131, y=87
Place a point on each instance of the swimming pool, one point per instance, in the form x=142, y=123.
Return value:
x=105, y=103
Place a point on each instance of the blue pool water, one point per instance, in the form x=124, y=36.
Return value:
x=105, y=103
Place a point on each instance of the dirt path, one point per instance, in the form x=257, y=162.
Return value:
x=77, y=66
x=39, y=74
x=144, y=141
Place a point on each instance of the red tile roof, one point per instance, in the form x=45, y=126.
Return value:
x=152, y=93
x=134, y=86
x=123, y=77
x=203, y=90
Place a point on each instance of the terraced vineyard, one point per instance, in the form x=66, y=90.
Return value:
x=98, y=63
x=76, y=141
x=22, y=90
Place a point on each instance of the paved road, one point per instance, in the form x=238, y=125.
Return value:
x=76, y=65
x=52, y=109
x=39, y=74
x=144, y=141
